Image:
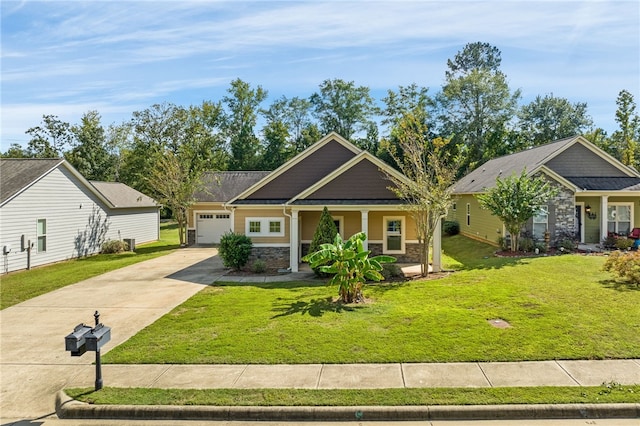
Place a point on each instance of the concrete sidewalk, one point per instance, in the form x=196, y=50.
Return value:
x=365, y=376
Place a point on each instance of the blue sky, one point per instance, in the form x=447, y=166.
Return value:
x=68, y=57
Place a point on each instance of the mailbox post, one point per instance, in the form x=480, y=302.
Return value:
x=83, y=338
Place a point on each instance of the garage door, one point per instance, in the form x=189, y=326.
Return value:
x=211, y=226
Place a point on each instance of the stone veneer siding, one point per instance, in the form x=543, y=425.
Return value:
x=562, y=214
x=274, y=257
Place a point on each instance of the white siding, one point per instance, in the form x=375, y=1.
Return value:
x=77, y=222
x=143, y=224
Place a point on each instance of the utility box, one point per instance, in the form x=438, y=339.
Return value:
x=131, y=242
x=97, y=337
x=76, y=341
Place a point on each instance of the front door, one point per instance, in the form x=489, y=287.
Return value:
x=579, y=224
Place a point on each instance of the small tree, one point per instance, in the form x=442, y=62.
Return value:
x=350, y=265
x=515, y=200
x=325, y=231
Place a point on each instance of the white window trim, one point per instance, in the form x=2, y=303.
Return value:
x=264, y=226
x=468, y=214
x=629, y=204
x=544, y=208
x=385, y=250
x=39, y=235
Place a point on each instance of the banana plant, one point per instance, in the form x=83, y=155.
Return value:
x=350, y=265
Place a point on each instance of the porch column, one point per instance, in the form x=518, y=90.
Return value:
x=603, y=216
x=436, y=265
x=293, y=241
x=364, y=226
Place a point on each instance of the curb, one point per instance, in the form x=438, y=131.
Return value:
x=68, y=408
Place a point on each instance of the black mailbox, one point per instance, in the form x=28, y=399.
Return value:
x=76, y=340
x=97, y=337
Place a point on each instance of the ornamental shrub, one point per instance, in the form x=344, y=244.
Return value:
x=624, y=264
x=326, y=232
x=623, y=243
x=451, y=227
x=114, y=246
x=235, y=250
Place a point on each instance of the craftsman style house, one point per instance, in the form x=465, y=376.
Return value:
x=280, y=210
x=598, y=195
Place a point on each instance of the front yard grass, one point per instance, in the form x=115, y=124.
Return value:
x=558, y=307
x=24, y=285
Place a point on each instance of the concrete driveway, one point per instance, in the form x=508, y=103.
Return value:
x=33, y=361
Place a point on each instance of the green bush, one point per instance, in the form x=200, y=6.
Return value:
x=391, y=271
x=113, y=246
x=566, y=245
x=451, y=227
x=503, y=243
x=259, y=266
x=526, y=244
x=625, y=264
x=623, y=243
x=235, y=250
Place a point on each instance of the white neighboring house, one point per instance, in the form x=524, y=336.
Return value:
x=49, y=212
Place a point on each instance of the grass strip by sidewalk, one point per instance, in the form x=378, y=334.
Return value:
x=24, y=285
x=607, y=393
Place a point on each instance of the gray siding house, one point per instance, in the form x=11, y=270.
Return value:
x=50, y=213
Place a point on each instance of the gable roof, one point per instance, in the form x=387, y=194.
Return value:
x=325, y=173
x=223, y=186
x=18, y=174
x=544, y=158
x=123, y=196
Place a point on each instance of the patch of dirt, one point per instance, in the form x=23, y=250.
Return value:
x=499, y=323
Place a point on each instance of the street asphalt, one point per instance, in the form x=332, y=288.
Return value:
x=34, y=366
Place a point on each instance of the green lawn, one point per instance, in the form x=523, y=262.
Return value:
x=559, y=307
x=608, y=393
x=23, y=285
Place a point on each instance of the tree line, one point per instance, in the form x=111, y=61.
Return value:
x=475, y=110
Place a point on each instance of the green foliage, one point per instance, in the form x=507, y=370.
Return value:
x=325, y=231
x=526, y=244
x=235, y=250
x=350, y=265
x=451, y=227
x=566, y=244
x=624, y=243
x=516, y=199
x=259, y=266
x=113, y=246
x=625, y=265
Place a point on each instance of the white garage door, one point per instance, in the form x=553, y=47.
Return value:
x=211, y=226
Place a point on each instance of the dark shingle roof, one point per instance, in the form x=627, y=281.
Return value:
x=606, y=183
x=223, y=186
x=123, y=196
x=18, y=173
x=501, y=167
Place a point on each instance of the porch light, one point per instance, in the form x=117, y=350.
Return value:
x=589, y=213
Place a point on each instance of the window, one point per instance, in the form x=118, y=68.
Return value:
x=454, y=207
x=265, y=226
x=393, y=235
x=619, y=218
x=468, y=214
x=541, y=222
x=254, y=226
x=42, y=235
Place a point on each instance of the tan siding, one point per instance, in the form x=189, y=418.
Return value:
x=483, y=225
x=202, y=207
x=305, y=173
x=240, y=221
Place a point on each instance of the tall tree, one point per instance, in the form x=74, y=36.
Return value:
x=476, y=102
x=431, y=167
x=626, y=138
x=16, y=151
x=515, y=200
x=549, y=118
x=90, y=155
x=343, y=107
x=242, y=107
x=50, y=139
